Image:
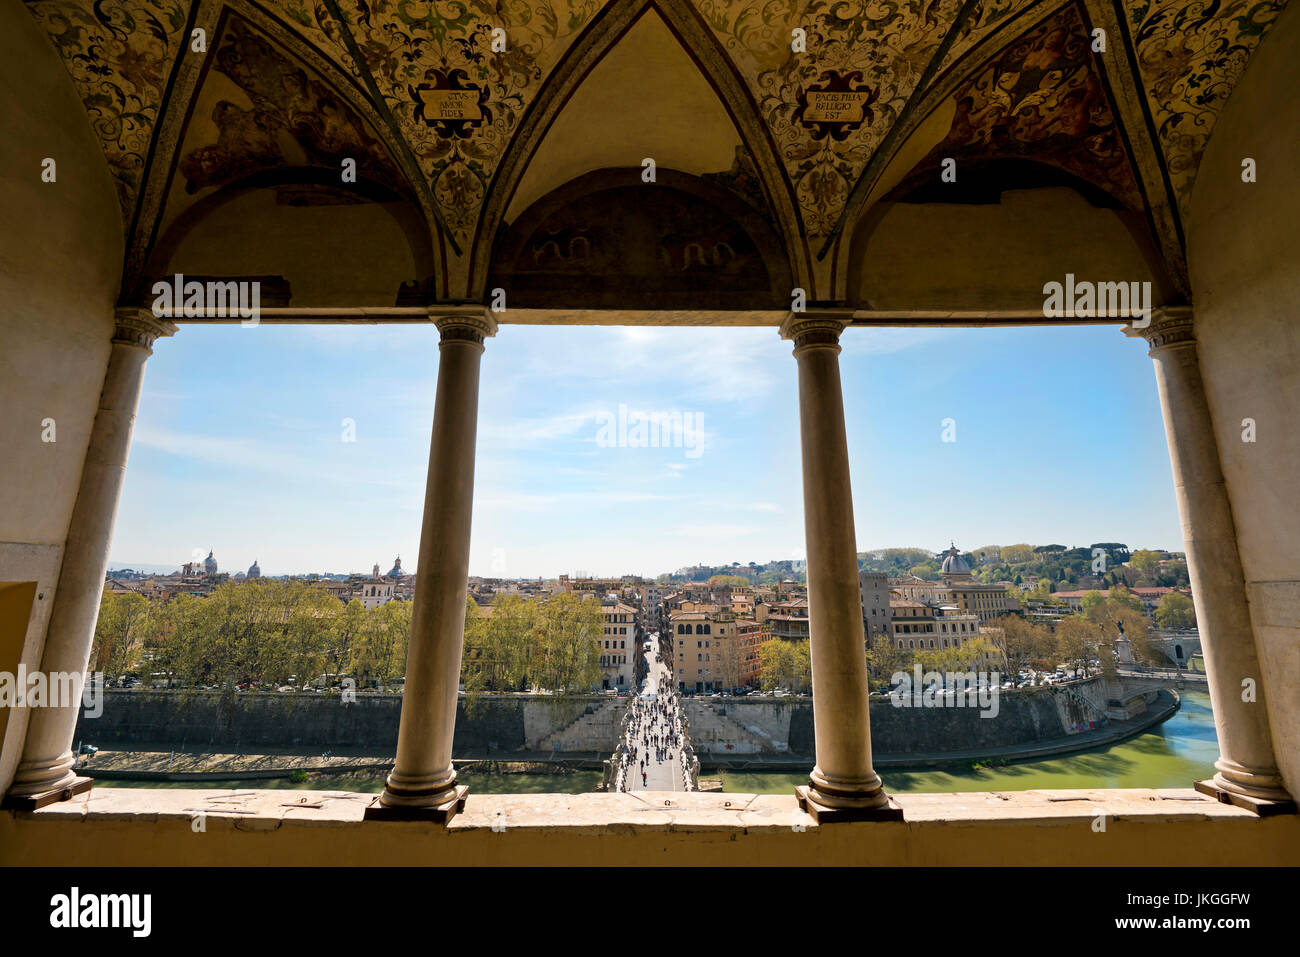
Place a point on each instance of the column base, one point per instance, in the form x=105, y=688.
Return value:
x=33, y=802
x=889, y=811
x=438, y=813
x=1258, y=806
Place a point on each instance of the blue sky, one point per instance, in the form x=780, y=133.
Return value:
x=239, y=446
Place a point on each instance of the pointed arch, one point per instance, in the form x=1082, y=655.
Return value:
x=182, y=96
x=949, y=76
x=604, y=32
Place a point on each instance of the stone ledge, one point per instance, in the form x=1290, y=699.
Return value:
x=642, y=809
x=137, y=827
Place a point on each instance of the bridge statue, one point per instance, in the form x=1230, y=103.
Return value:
x=1123, y=647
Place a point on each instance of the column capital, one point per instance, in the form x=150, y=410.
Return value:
x=814, y=330
x=139, y=327
x=1169, y=326
x=470, y=324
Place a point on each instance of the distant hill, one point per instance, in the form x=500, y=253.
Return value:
x=146, y=567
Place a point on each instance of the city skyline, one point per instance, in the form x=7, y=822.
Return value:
x=242, y=444
x=153, y=568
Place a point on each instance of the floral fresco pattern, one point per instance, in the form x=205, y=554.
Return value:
x=987, y=16
x=409, y=45
x=1042, y=99
x=888, y=43
x=1191, y=54
x=120, y=54
x=285, y=100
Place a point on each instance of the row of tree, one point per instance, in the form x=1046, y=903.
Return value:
x=1056, y=566
x=755, y=573
x=281, y=632
x=1021, y=645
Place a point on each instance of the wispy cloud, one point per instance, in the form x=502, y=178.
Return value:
x=261, y=456
x=703, y=364
x=522, y=433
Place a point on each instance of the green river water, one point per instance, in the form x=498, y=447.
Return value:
x=1172, y=755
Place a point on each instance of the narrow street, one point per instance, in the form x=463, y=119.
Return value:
x=653, y=738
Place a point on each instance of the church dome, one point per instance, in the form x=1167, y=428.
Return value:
x=210, y=564
x=396, y=571
x=954, y=564
x=254, y=571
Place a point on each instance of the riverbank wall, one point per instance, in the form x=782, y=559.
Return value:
x=740, y=732
x=210, y=720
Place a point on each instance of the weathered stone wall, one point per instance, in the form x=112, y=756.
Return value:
x=567, y=724
x=1023, y=717
x=540, y=723
x=249, y=721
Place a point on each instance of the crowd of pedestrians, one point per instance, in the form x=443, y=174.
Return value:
x=652, y=730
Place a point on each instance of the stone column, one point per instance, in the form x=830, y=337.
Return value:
x=843, y=785
x=1247, y=770
x=44, y=773
x=423, y=781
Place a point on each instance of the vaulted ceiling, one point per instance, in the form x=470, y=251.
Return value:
x=825, y=107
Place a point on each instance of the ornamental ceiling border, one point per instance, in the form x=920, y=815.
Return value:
x=290, y=101
x=93, y=43
x=182, y=97
x=440, y=53
x=1170, y=69
x=1158, y=236
x=952, y=74
x=164, y=141
x=1162, y=214
x=862, y=62
x=1190, y=55
x=604, y=32
x=1043, y=98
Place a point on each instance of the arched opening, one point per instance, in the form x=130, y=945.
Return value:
x=610, y=240
x=333, y=245
x=992, y=238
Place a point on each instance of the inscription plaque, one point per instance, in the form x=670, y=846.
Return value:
x=449, y=103
x=825, y=106
x=836, y=105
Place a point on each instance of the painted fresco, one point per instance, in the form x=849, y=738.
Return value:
x=454, y=102
x=120, y=54
x=987, y=16
x=1191, y=54
x=1042, y=99
x=415, y=49
x=294, y=120
x=662, y=248
x=879, y=49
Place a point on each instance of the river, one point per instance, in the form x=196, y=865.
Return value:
x=1172, y=755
